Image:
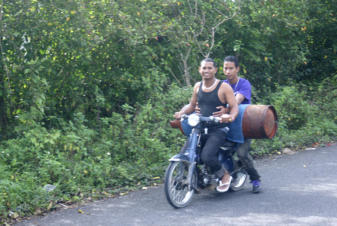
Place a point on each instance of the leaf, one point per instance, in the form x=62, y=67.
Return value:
x=50, y=205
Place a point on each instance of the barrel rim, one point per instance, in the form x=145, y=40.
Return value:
x=261, y=130
x=273, y=132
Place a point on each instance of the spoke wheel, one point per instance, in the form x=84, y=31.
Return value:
x=178, y=192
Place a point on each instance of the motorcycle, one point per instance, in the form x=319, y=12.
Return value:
x=187, y=175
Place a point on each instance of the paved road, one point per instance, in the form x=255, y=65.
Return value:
x=299, y=189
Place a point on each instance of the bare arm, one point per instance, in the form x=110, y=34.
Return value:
x=228, y=96
x=239, y=98
x=189, y=108
x=223, y=110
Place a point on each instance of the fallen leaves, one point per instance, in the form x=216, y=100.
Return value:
x=288, y=151
x=80, y=211
x=50, y=205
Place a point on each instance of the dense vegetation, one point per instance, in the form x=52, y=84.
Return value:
x=87, y=87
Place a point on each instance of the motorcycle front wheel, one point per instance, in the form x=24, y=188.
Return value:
x=177, y=190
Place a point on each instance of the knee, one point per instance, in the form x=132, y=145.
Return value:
x=204, y=158
x=207, y=159
x=241, y=153
x=241, y=156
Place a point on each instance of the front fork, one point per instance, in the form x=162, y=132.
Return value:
x=191, y=169
x=191, y=149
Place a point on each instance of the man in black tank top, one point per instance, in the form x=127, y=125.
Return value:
x=209, y=101
x=209, y=94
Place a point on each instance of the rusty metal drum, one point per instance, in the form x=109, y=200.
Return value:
x=259, y=122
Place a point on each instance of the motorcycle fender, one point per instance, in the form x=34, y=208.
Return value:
x=179, y=158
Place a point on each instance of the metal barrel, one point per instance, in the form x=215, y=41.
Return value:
x=259, y=122
x=177, y=124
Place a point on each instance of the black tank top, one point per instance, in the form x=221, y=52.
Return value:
x=208, y=101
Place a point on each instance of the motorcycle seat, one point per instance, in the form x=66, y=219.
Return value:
x=227, y=145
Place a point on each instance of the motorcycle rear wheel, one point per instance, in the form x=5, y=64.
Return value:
x=240, y=178
x=177, y=190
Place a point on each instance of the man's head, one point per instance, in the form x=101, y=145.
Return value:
x=208, y=68
x=233, y=59
x=231, y=68
x=209, y=60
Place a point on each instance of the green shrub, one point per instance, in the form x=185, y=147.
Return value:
x=292, y=107
x=326, y=98
x=303, y=119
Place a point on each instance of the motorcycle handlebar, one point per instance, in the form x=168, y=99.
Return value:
x=204, y=118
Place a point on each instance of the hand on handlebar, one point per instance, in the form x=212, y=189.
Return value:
x=177, y=115
x=226, y=118
x=197, y=109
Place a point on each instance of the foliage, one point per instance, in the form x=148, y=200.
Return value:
x=327, y=93
x=93, y=57
x=87, y=88
x=303, y=119
x=127, y=151
x=293, y=109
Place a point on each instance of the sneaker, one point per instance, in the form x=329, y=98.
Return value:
x=224, y=184
x=256, y=186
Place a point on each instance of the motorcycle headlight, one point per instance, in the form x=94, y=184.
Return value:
x=193, y=120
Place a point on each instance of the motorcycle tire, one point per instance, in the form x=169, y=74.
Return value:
x=177, y=190
x=239, y=180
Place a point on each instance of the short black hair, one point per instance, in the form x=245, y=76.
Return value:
x=209, y=60
x=233, y=59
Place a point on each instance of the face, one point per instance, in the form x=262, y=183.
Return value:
x=230, y=70
x=207, y=70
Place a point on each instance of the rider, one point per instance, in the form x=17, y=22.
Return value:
x=209, y=94
x=242, y=92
